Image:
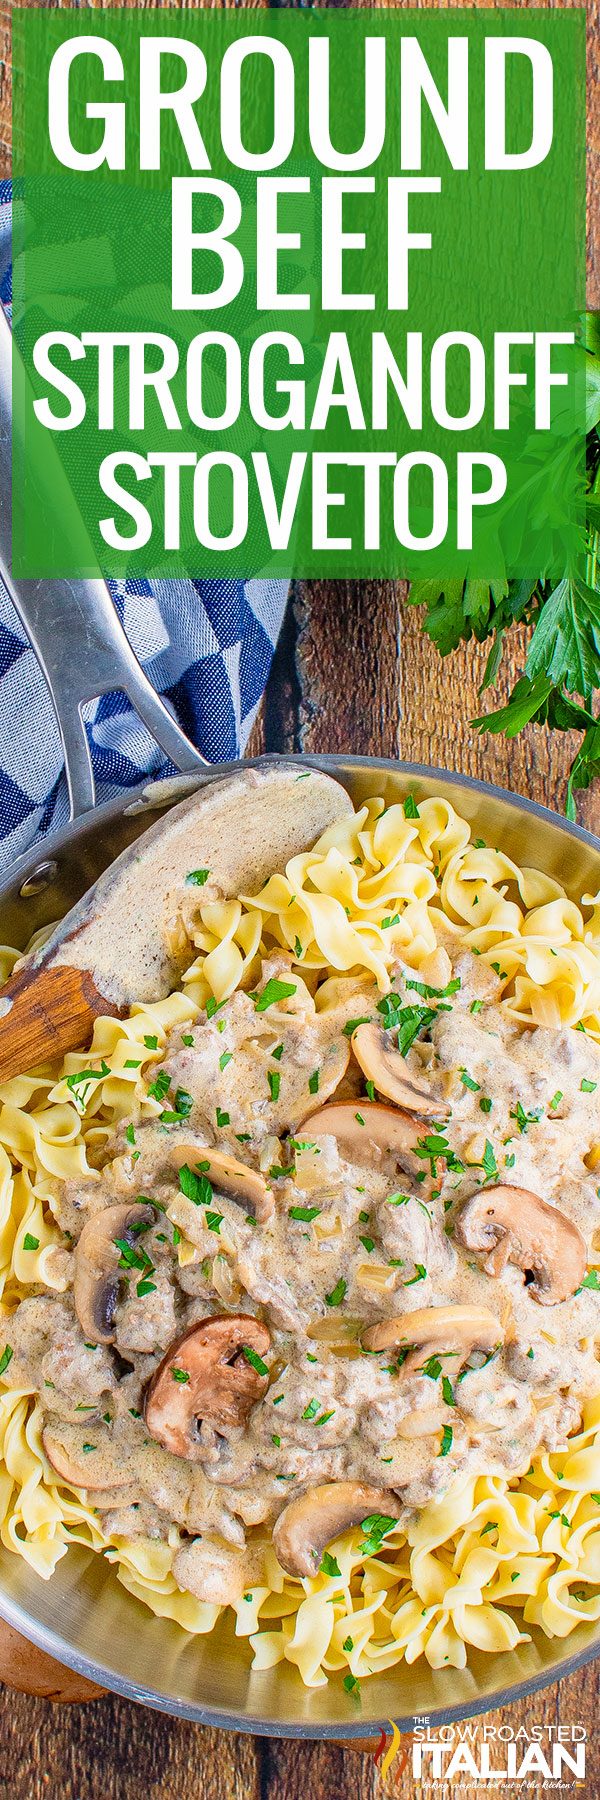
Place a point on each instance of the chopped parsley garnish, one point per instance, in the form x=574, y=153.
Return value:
x=275, y=1440
x=145, y=1287
x=181, y=1375
x=447, y=1438
x=420, y=1275
x=214, y=1221
x=277, y=1053
x=485, y=1103
x=448, y=1391
x=588, y=1087
x=524, y=1119
x=488, y=1162
x=132, y=1259
x=476, y=1006
x=432, y=993
x=197, y=877
x=353, y=1025
x=591, y=1280
x=87, y=1447
x=256, y=1361
x=311, y=1410
x=195, y=1187
x=370, y=1087
x=213, y=1006
x=313, y=1082
x=130, y=1134
x=305, y=1214
x=468, y=1082
x=492, y=1525
x=432, y=1368
x=160, y=1087
x=338, y=1293
x=411, y=810
x=374, y=1529
x=132, y=1063
x=556, y=1099
x=274, y=991
x=408, y=1021
x=324, y=1417
x=226, y=1058
x=329, y=1566
x=151, y=1043
x=274, y=1079
x=348, y=1644
x=29, y=1242
x=187, y=1039
x=368, y=1244
x=222, y=1118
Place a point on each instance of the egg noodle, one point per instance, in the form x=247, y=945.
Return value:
x=494, y=1555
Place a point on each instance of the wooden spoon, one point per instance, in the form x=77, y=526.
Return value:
x=31, y=1671
x=126, y=939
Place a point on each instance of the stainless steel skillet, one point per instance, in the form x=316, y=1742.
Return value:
x=83, y=1616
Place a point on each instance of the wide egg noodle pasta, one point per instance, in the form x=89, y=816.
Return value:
x=494, y=1555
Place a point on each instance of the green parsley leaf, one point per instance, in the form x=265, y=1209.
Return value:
x=304, y=1213
x=181, y=1375
x=5, y=1358
x=197, y=877
x=447, y=1439
x=274, y=1079
x=353, y=1025
x=151, y=1043
x=195, y=1187
x=226, y=1058
x=329, y=1566
x=313, y=1082
x=411, y=810
x=588, y=1087
x=274, y=991
x=222, y=1117
x=337, y=1294
x=29, y=1242
x=256, y=1361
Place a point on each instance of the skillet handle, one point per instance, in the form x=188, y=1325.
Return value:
x=74, y=630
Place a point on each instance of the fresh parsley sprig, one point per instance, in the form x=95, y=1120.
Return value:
x=561, y=672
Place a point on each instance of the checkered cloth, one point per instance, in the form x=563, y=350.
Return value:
x=206, y=645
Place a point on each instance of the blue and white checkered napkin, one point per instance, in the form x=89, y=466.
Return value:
x=206, y=645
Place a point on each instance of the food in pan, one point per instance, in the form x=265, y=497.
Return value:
x=300, y=1264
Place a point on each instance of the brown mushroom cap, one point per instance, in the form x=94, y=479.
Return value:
x=78, y=1469
x=230, y=1177
x=454, y=1330
x=383, y=1128
x=205, y=1375
x=98, y=1266
x=386, y=1068
x=514, y=1225
x=309, y=1522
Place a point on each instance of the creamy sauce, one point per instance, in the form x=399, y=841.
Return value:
x=352, y=1240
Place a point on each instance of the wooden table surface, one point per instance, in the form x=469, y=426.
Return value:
x=352, y=673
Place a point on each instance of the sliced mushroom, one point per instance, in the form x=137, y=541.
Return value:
x=513, y=1225
x=210, y=1373
x=232, y=1178
x=361, y=1126
x=308, y=1523
x=386, y=1068
x=99, y=1266
x=80, y=1468
x=456, y=1331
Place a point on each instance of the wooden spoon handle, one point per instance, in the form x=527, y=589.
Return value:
x=31, y=1671
x=52, y=1010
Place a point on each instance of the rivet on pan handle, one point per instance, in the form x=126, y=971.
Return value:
x=73, y=628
